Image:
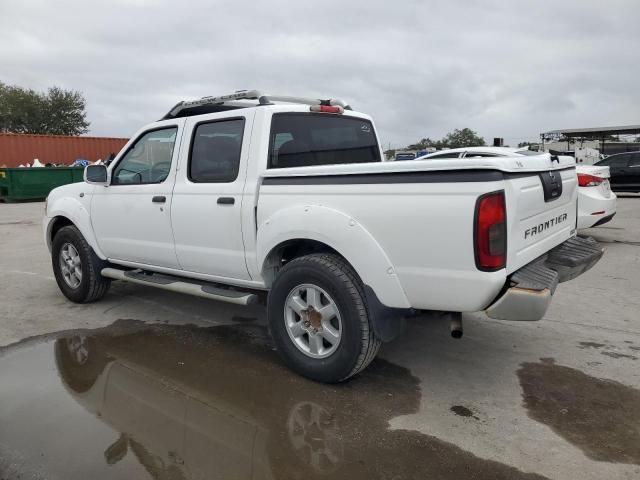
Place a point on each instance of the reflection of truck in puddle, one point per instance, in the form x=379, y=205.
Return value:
x=212, y=403
x=186, y=412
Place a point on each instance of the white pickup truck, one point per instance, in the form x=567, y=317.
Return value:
x=249, y=197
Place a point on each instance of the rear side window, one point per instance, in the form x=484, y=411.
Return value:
x=479, y=155
x=635, y=160
x=445, y=155
x=305, y=139
x=529, y=152
x=617, y=161
x=215, y=151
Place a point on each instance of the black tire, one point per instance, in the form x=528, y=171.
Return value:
x=358, y=345
x=93, y=285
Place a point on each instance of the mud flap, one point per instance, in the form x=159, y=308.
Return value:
x=388, y=323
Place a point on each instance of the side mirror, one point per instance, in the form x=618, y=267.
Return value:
x=96, y=175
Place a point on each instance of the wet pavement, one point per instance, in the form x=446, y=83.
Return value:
x=190, y=403
x=153, y=384
x=601, y=417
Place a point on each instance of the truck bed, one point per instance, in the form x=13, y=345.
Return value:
x=423, y=217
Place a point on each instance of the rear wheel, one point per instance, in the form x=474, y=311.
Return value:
x=77, y=268
x=318, y=318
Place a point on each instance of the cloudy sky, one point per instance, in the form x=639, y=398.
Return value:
x=421, y=68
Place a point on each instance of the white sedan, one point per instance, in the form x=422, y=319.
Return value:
x=596, y=201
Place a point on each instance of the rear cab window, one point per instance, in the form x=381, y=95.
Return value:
x=307, y=139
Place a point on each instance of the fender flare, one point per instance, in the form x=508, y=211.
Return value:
x=73, y=210
x=342, y=233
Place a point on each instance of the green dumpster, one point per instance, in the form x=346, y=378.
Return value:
x=19, y=184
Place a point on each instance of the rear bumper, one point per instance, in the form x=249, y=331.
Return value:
x=604, y=220
x=529, y=290
x=594, y=206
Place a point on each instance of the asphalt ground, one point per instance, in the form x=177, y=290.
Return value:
x=154, y=384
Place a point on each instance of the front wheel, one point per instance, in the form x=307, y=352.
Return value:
x=77, y=268
x=318, y=318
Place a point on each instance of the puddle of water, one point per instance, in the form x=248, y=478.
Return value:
x=167, y=402
x=463, y=411
x=601, y=417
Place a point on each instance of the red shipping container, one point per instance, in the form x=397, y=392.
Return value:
x=19, y=149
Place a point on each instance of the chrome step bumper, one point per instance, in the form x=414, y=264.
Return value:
x=530, y=289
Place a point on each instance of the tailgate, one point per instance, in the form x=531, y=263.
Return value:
x=541, y=208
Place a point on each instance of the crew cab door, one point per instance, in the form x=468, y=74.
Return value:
x=207, y=198
x=131, y=216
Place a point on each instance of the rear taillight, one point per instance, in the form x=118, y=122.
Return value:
x=490, y=232
x=585, y=180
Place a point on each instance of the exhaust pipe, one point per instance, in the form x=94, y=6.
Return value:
x=456, y=325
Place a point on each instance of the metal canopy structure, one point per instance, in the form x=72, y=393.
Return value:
x=591, y=133
x=594, y=133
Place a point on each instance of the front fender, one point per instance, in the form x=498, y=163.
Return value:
x=76, y=211
x=342, y=233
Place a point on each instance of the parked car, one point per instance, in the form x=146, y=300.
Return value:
x=625, y=171
x=596, y=201
x=246, y=196
x=480, y=152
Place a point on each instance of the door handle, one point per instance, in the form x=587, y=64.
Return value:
x=226, y=200
x=159, y=199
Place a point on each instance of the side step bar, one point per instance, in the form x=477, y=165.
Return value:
x=182, y=285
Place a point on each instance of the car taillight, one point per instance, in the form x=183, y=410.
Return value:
x=586, y=180
x=490, y=232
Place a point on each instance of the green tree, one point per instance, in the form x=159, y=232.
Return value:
x=391, y=153
x=424, y=143
x=456, y=139
x=56, y=112
x=463, y=138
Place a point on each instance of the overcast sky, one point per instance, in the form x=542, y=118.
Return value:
x=504, y=68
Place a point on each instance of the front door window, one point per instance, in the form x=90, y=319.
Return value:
x=148, y=160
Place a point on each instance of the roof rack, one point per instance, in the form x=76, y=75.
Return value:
x=220, y=100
